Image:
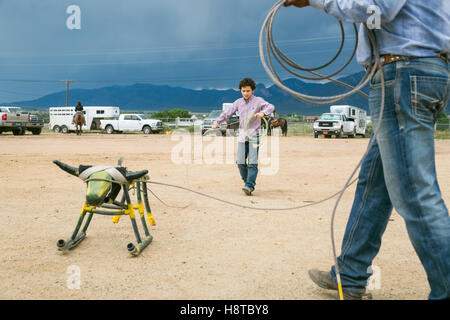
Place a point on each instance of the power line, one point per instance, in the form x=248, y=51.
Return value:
x=247, y=45
x=21, y=93
x=210, y=59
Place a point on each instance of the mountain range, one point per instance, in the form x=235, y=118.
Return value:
x=149, y=97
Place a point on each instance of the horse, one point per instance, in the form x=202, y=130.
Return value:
x=279, y=122
x=266, y=125
x=79, y=121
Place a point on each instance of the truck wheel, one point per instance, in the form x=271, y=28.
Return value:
x=94, y=125
x=36, y=131
x=339, y=134
x=316, y=135
x=64, y=129
x=353, y=135
x=109, y=129
x=57, y=129
x=147, y=130
x=18, y=132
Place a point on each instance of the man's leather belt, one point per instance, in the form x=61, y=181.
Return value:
x=389, y=58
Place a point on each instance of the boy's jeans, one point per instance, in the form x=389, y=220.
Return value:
x=249, y=171
x=400, y=173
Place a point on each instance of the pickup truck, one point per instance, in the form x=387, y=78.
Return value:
x=18, y=121
x=132, y=122
x=334, y=124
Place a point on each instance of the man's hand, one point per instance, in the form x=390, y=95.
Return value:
x=214, y=126
x=260, y=115
x=297, y=3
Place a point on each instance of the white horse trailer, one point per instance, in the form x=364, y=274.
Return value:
x=61, y=117
x=357, y=115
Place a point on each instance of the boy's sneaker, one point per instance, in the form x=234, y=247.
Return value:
x=323, y=280
x=247, y=191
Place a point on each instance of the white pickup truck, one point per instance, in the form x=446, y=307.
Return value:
x=334, y=124
x=132, y=122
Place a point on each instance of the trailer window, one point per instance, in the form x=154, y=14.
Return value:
x=100, y=111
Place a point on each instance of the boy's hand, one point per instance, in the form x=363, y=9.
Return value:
x=214, y=126
x=297, y=3
x=260, y=115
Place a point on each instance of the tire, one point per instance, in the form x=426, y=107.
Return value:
x=316, y=135
x=352, y=136
x=109, y=129
x=147, y=130
x=18, y=132
x=36, y=131
x=94, y=125
x=56, y=129
x=64, y=129
x=339, y=135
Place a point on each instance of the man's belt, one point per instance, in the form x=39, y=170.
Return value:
x=389, y=58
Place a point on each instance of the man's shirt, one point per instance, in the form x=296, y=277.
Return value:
x=248, y=124
x=416, y=28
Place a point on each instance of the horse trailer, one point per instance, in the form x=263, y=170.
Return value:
x=357, y=115
x=61, y=117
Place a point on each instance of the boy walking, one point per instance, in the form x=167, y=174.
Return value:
x=251, y=110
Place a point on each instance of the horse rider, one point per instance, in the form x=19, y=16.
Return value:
x=78, y=109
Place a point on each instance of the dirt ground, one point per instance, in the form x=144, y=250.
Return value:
x=209, y=250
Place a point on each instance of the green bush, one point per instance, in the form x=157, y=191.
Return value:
x=172, y=114
x=369, y=129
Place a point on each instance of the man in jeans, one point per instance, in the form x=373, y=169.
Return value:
x=399, y=172
x=251, y=110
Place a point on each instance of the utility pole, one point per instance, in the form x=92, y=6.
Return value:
x=67, y=94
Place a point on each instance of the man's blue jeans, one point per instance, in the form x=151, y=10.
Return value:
x=248, y=150
x=400, y=173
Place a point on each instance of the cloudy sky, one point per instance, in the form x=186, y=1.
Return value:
x=189, y=43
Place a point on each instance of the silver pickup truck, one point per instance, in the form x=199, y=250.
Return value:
x=18, y=121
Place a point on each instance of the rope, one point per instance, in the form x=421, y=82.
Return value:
x=245, y=206
x=288, y=64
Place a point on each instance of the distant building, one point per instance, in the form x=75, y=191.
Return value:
x=311, y=119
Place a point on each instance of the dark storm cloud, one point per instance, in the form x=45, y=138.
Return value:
x=135, y=40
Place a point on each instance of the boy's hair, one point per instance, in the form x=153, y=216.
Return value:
x=247, y=82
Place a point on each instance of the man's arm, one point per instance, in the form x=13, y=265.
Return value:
x=354, y=10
